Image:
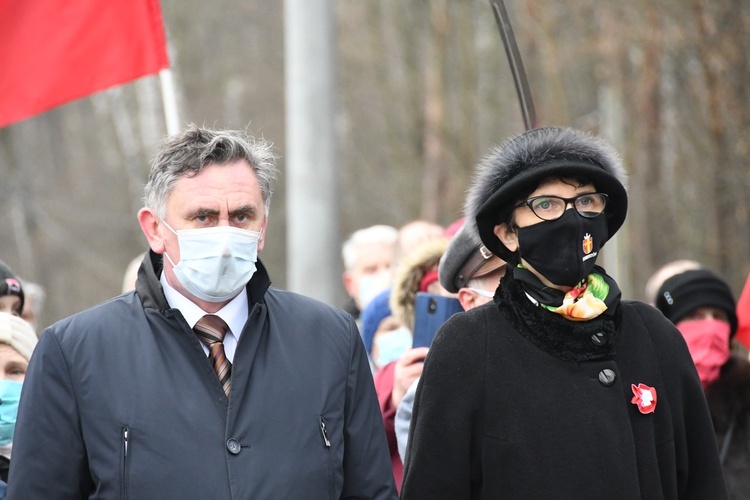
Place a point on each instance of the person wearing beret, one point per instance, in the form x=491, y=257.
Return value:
x=558, y=388
x=702, y=306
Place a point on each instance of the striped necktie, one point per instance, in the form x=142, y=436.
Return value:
x=211, y=330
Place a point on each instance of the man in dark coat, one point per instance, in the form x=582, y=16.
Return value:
x=558, y=389
x=204, y=382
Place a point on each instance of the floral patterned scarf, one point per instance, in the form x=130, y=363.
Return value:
x=594, y=295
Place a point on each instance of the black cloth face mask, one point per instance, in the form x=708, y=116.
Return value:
x=564, y=250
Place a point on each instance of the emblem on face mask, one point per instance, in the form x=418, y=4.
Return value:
x=644, y=397
x=588, y=243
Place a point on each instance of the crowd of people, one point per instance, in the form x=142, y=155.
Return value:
x=203, y=381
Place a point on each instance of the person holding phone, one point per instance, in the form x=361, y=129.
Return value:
x=398, y=364
x=470, y=272
x=558, y=388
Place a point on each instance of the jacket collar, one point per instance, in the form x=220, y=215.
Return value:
x=150, y=292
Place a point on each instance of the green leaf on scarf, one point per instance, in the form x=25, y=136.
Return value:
x=597, y=286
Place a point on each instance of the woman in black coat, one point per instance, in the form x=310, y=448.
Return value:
x=558, y=389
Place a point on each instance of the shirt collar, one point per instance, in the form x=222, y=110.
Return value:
x=234, y=313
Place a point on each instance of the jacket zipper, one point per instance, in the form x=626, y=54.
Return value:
x=124, y=476
x=329, y=464
x=324, y=432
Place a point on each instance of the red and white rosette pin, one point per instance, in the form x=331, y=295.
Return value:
x=644, y=397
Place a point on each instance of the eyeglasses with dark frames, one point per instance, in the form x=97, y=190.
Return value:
x=587, y=205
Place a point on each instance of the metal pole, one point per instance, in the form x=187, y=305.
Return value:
x=312, y=201
x=169, y=101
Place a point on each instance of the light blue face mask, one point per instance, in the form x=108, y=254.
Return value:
x=391, y=345
x=215, y=262
x=10, y=394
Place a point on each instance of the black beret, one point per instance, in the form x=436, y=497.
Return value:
x=685, y=292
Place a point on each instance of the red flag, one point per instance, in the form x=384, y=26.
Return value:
x=55, y=51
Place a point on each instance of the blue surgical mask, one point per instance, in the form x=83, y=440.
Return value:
x=391, y=345
x=215, y=262
x=10, y=394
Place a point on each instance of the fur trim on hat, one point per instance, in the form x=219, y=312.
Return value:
x=523, y=161
x=409, y=274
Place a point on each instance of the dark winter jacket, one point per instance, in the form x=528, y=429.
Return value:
x=520, y=403
x=120, y=401
x=729, y=401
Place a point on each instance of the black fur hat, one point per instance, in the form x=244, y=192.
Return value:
x=523, y=161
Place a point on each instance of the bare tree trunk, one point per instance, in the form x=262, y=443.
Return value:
x=648, y=164
x=434, y=112
x=16, y=197
x=720, y=246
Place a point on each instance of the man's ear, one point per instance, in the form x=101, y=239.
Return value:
x=507, y=236
x=150, y=226
x=467, y=298
x=349, y=284
x=262, y=239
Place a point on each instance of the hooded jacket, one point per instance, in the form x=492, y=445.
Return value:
x=120, y=401
x=414, y=267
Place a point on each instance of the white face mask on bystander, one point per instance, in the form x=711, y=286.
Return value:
x=370, y=287
x=483, y=293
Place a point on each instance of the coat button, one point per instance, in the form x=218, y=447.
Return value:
x=233, y=446
x=607, y=377
x=599, y=339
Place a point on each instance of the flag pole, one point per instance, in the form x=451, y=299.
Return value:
x=169, y=100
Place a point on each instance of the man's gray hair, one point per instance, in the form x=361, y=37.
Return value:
x=374, y=235
x=186, y=153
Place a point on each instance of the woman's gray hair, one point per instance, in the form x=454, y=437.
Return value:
x=186, y=153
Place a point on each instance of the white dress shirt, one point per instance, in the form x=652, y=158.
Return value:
x=234, y=315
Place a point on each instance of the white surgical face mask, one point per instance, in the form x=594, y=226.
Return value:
x=370, y=286
x=215, y=262
x=483, y=293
